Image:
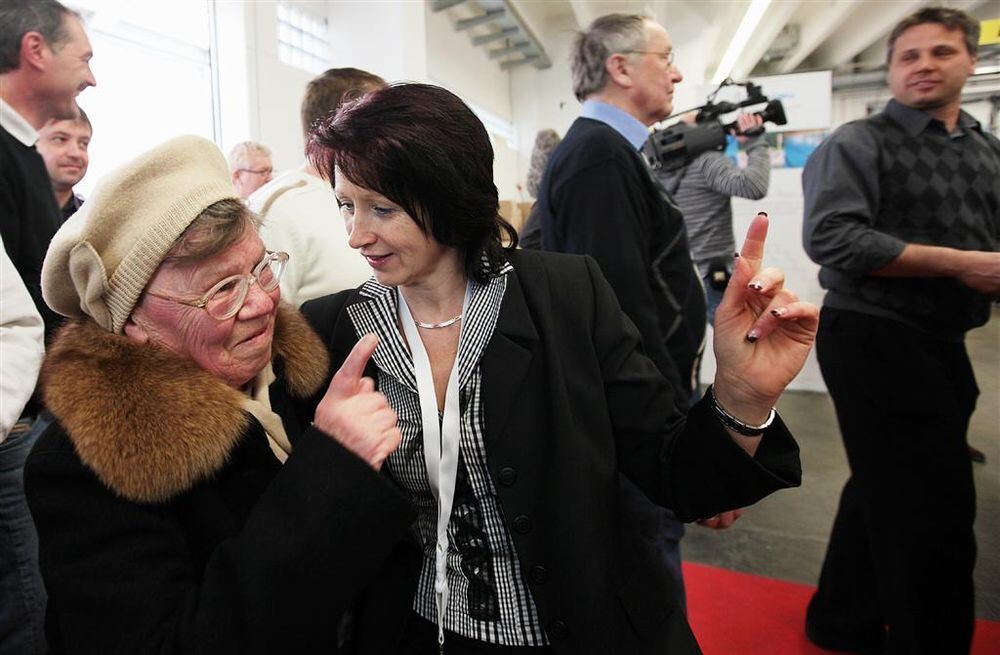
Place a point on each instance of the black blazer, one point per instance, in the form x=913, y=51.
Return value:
x=570, y=401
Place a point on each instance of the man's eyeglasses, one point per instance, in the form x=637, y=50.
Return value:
x=227, y=297
x=266, y=172
x=667, y=56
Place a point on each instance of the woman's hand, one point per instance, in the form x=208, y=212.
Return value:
x=722, y=520
x=354, y=414
x=763, y=333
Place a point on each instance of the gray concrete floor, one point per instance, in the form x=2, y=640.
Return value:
x=784, y=536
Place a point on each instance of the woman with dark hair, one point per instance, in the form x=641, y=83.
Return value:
x=522, y=393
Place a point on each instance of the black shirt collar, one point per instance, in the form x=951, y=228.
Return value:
x=74, y=203
x=915, y=121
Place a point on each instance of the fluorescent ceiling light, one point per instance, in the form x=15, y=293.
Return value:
x=743, y=33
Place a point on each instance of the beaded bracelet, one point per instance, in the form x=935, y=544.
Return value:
x=735, y=424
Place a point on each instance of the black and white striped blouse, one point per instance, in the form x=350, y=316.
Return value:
x=489, y=599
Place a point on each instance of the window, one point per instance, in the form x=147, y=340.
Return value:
x=303, y=39
x=152, y=61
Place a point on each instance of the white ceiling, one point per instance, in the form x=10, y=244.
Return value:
x=793, y=35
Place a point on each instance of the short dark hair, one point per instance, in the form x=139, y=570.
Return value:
x=18, y=17
x=327, y=91
x=950, y=19
x=83, y=119
x=421, y=147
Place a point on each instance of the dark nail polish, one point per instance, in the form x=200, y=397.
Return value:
x=752, y=336
x=762, y=214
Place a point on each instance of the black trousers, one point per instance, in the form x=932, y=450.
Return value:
x=902, y=550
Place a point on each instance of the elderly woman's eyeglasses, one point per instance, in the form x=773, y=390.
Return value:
x=266, y=172
x=667, y=56
x=226, y=298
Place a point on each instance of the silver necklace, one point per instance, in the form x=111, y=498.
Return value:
x=442, y=324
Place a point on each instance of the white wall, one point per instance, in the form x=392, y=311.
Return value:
x=400, y=41
x=279, y=88
x=454, y=63
x=543, y=99
x=259, y=95
x=385, y=38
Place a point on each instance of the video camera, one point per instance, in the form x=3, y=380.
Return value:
x=676, y=146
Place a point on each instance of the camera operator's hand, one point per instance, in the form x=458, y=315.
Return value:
x=745, y=123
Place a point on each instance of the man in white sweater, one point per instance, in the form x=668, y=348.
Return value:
x=22, y=596
x=21, y=345
x=300, y=212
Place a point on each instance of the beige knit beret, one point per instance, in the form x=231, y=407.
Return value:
x=101, y=259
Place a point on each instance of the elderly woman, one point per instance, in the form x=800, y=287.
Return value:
x=166, y=521
x=522, y=393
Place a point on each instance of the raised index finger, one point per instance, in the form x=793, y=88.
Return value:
x=753, y=246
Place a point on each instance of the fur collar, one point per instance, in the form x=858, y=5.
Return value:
x=149, y=423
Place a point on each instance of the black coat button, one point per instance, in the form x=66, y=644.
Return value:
x=539, y=574
x=507, y=477
x=558, y=630
x=522, y=524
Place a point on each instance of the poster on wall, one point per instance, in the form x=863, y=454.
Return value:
x=807, y=100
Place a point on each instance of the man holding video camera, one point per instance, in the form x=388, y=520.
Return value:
x=703, y=190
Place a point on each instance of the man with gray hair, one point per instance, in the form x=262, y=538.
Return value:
x=44, y=63
x=251, y=167
x=597, y=197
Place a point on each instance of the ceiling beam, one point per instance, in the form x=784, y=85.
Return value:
x=817, y=28
x=441, y=5
x=778, y=15
x=967, y=5
x=871, y=21
x=583, y=12
x=494, y=36
x=497, y=53
x=514, y=63
x=488, y=17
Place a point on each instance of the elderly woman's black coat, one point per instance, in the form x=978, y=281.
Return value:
x=167, y=525
x=570, y=403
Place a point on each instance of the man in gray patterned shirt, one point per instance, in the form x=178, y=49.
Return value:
x=703, y=190
x=902, y=212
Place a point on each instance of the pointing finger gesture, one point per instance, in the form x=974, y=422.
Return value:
x=354, y=414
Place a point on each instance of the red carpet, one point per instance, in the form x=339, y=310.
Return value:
x=740, y=614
